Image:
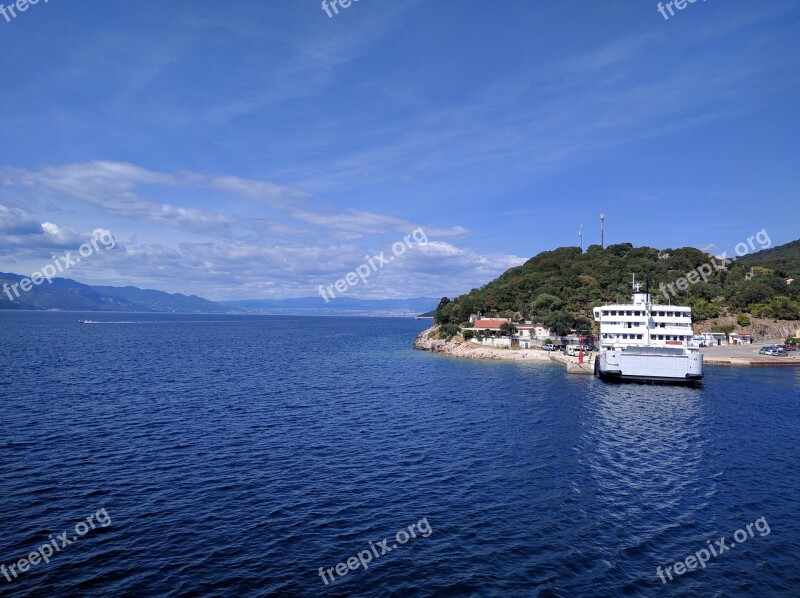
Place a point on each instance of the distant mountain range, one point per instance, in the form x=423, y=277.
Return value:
x=340, y=306
x=64, y=294
x=68, y=295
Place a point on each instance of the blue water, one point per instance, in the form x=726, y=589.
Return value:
x=235, y=456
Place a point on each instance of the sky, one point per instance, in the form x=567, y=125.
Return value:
x=260, y=149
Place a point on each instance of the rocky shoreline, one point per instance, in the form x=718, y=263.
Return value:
x=458, y=347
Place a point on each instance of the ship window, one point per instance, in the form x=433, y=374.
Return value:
x=639, y=336
x=637, y=313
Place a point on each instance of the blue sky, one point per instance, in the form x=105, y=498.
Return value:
x=260, y=149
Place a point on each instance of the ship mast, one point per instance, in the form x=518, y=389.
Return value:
x=647, y=306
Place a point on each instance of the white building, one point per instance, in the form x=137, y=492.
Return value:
x=528, y=335
x=715, y=338
x=741, y=337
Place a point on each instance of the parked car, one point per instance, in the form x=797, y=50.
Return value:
x=574, y=350
x=789, y=348
x=549, y=347
x=765, y=350
x=697, y=341
x=776, y=352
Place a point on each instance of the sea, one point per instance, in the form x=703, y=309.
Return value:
x=184, y=455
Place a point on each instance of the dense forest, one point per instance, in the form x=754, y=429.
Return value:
x=784, y=259
x=559, y=288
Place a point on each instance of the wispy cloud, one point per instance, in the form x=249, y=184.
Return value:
x=307, y=245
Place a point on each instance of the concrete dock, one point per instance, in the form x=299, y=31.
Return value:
x=572, y=365
x=746, y=355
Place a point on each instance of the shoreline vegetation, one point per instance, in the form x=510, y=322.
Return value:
x=559, y=288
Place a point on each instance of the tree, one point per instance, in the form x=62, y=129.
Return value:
x=559, y=322
x=546, y=303
x=449, y=330
x=583, y=325
x=440, y=317
x=752, y=294
x=508, y=329
x=784, y=308
x=703, y=310
x=743, y=320
x=726, y=329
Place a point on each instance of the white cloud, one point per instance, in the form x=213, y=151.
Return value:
x=299, y=245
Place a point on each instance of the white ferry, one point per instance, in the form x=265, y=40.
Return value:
x=640, y=341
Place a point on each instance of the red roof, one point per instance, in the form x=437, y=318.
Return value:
x=489, y=324
x=742, y=333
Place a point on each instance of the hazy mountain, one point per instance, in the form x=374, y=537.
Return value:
x=344, y=306
x=69, y=295
x=62, y=294
x=159, y=301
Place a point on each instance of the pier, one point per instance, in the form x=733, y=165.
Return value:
x=573, y=364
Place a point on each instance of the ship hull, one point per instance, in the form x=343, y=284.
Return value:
x=649, y=365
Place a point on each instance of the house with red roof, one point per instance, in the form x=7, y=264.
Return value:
x=740, y=337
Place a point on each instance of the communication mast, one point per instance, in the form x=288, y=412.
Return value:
x=602, y=230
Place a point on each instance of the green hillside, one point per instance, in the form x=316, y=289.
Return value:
x=784, y=259
x=559, y=288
